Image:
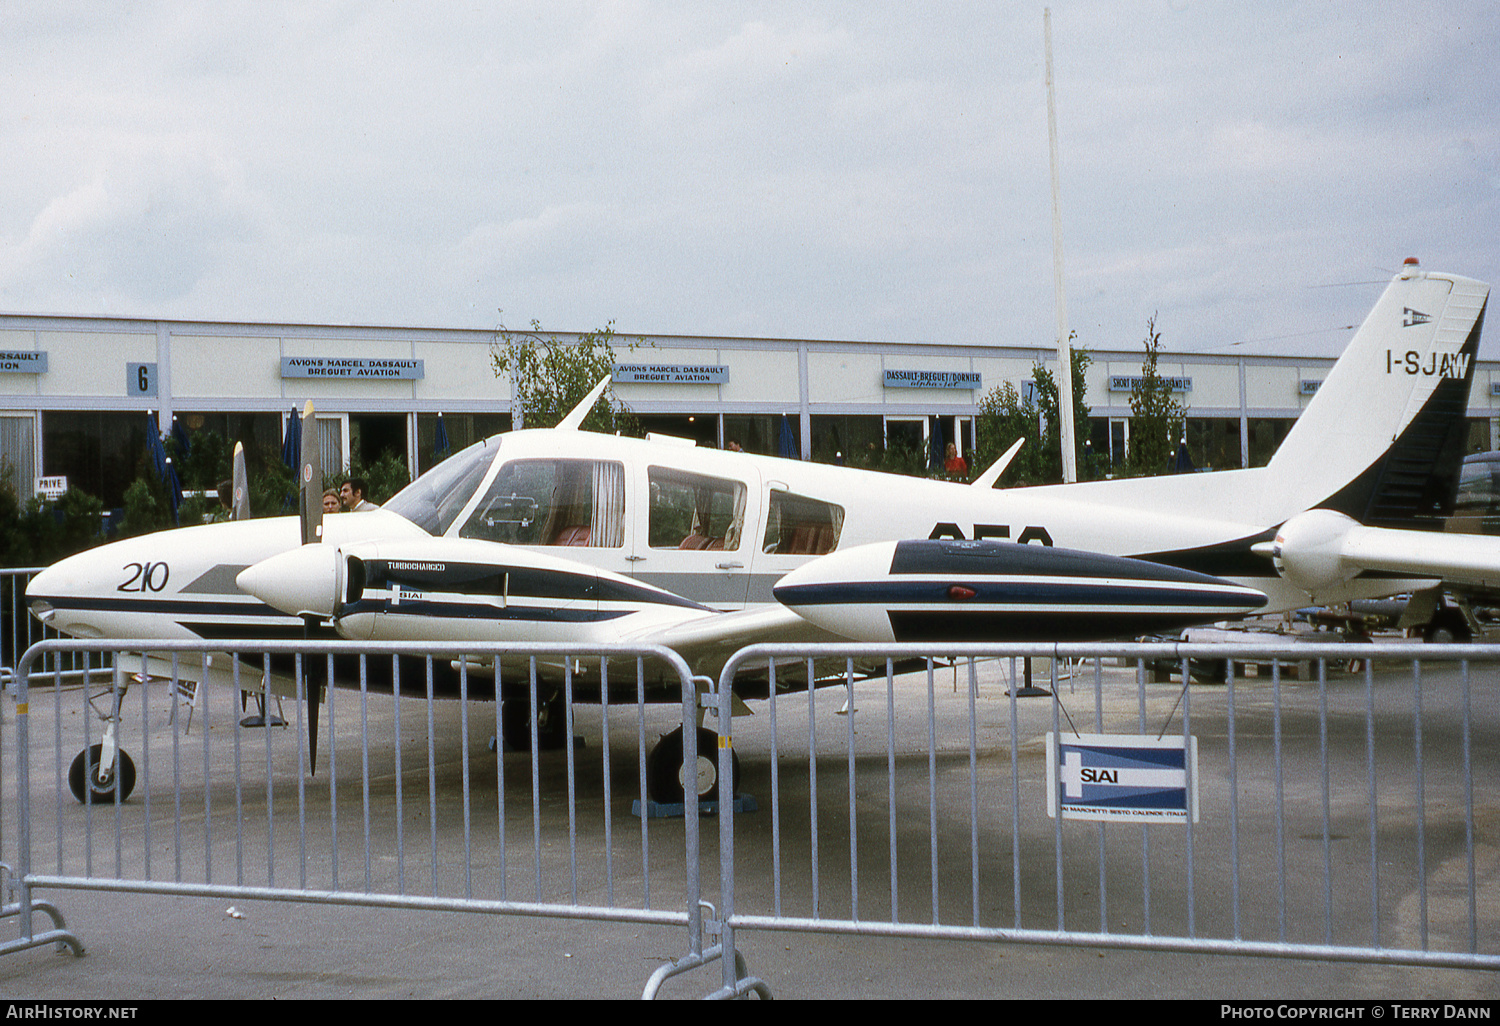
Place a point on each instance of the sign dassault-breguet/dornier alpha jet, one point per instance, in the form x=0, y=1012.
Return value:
x=573, y=537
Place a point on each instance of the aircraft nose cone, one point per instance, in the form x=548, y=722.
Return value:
x=65, y=577
x=300, y=581
x=51, y=592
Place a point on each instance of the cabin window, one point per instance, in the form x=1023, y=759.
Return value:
x=692, y=511
x=799, y=526
x=576, y=503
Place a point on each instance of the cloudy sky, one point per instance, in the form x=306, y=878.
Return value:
x=864, y=171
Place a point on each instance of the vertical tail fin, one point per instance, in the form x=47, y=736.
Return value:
x=1387, y=428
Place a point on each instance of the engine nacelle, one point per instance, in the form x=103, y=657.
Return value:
x=1309, y=551
x=461, y=590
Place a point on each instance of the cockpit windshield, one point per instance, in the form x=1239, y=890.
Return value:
x=434, y=500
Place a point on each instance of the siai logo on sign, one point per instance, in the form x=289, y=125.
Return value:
x=1122, y=777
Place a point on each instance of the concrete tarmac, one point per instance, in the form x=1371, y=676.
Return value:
x=162, y=946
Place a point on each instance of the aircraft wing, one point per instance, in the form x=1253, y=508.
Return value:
x=1321, y=549
x=1462, y=558
x=707, y=643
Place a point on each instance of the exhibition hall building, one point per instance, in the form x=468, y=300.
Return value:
x=77, y=394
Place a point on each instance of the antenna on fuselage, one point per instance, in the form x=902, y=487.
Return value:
x=574, y=420
x=990, y=476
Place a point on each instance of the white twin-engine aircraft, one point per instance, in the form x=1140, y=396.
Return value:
x=574, y=537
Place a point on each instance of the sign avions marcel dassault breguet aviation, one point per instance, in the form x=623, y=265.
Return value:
x=572, y=537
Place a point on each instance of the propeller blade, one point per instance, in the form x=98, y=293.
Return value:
x=310, y=485
x=314, y=685
x=310, y=492
x=239, y=506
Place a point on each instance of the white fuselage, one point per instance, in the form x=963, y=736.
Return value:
x=717, y=528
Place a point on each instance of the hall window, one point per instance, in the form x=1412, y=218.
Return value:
x=694, y=511
x=576, y=503
x=100, y=452
x=18, y=455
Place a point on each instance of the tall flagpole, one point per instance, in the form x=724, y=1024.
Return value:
x=1064, y=349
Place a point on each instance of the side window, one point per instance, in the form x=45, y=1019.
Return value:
x=553, y=502
x=692, y=511
x=800, y=526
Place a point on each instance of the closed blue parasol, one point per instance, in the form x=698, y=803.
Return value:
x=440, y=446
x=788, y=447
x=291, y=454
x=1182, y=463
x=165, y=472
x=180, y=436
x=291, y=443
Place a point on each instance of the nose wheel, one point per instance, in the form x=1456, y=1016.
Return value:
x=93, y=777
x=105, y=770
x=669, y=780
x=551, y=724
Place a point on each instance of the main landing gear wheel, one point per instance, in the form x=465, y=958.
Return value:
x=666, y=775
x=1448, y=627
x=84, y=780
x=551, y=724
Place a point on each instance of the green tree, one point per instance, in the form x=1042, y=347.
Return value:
x=146, y=507
x=1050, y=402
x=208, y=459
x=272, y=484
x=385, y=477
x=551, y=377
x=896, y=458
x=44, y=532
x=1005, y=414
x=209, y=462
x=1156, y=416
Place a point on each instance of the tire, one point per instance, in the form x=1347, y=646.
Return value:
x=551, y=724
x=83, y=781
x=1207, y=671
x=1448, y=627
x=664, y=768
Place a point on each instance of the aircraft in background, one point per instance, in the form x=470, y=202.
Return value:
x=567, y=536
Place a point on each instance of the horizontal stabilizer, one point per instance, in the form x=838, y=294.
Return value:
x=1321, y=550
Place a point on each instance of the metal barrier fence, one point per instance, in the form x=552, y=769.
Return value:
x=1341, y=792
x=1334, y=816
x=19, y=630
x=382, y=816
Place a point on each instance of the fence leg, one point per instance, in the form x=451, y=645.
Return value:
x=743, y=985
x=26, y=907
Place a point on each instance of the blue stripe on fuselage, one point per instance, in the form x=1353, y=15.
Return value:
x=1019, y=591
x=432, y=609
